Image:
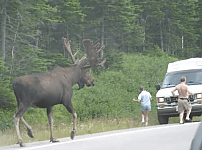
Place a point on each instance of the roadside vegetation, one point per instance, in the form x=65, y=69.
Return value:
x=139, y=44
x=106, y=106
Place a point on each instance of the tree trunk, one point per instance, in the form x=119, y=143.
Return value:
x=200, y=44
x=161, y=32
x=67, y=36
x=3, y=30
x=182, y=42
x=144, y=38
x=102, y=33
x=143, y=24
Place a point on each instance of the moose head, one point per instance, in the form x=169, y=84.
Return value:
x=92, y=53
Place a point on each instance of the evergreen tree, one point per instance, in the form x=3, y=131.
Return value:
x=7, y=99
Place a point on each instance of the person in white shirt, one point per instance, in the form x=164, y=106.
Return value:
x=145, y=98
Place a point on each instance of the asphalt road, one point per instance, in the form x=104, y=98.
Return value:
x=166, y=137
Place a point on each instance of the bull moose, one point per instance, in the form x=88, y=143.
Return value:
x=55, y=87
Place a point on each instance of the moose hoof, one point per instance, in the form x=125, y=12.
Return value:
x=54, y=141
x=22, y=145
x=30, y=134
x=72, y=134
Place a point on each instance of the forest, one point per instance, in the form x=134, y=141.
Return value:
x=140, y=36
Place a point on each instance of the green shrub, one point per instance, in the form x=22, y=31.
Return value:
x=114, y=90
x=113, y=93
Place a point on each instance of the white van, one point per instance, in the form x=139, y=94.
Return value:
x=167, y=105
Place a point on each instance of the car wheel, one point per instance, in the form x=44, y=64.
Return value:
x=163, y=119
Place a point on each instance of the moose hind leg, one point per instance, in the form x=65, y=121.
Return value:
x=16, y=120
x=29, y=128
x=17, y=117
x=70, y=108
x=50, y=119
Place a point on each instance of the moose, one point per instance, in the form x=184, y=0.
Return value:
x=55, y=87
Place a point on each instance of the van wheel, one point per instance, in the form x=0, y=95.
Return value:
x=163, y=119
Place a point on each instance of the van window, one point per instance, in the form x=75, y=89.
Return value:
x=193, y=77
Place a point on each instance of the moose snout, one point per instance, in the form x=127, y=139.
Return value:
x=90, y=84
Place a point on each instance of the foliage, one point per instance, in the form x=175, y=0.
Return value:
x=140, y=25
x=31, y=61
x=7, y=98
x=6, y=119
x=156, y=51
x=114, y=59
x=31, y=33
x=113, y=91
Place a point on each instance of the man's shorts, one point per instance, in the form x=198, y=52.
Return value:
x=183, y=105
x=145, y=107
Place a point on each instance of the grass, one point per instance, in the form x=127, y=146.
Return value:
x=42, y=132
x=89, y=126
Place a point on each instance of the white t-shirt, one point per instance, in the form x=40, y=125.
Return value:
x=145, y=96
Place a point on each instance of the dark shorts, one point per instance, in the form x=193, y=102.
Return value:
x=145, y=107
x=183, y=105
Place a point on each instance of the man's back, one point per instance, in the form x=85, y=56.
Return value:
x=144, y=96
x=182, y=90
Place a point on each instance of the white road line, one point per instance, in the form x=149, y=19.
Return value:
x=108, y=135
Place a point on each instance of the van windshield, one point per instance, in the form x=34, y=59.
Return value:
x=193, y=77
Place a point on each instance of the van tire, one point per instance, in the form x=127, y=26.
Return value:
x=163, y=119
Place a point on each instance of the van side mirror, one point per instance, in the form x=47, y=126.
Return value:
x=158, y=87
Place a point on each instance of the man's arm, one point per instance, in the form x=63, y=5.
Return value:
x=189, y=91
x=150, y=97
x=173, y=91
x=136, y=100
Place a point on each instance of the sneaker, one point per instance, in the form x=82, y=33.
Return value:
x=142, y=123
x=188, y=120
x=146, y=123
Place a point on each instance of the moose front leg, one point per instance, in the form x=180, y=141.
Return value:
x=73, y=133
x=70, y=108
x=50, y=119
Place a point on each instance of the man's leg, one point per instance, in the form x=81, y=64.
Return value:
x=142, y=117
x=181, y=110
x=187, y=117
x=147, y=117
x=188, y=108
x=188, y=113
x=181, y=117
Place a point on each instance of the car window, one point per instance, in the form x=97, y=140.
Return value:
x=193, y=77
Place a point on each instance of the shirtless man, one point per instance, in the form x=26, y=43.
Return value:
x=183, y=103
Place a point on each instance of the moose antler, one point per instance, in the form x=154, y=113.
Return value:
x=93, y=53
x=67, y=45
